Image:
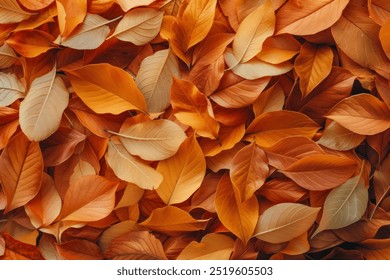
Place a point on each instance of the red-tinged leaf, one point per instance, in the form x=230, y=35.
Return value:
x=285, y=221
x=204, y=197
x=249, y=171
x=90, y=198
x=70, y=15
x=183, y=173
x=213, y=246
x=321, y=172
x=31, y=43
x=16, y=250
x=313, y=65
x=297, y=18
x=21, y=169
x=173, y=221
x=282, y=190
x=78, y=249
x=239, y=217
x=136, y=245
x=271, y=127
x=363, y=114
x=44, y=208
x=106, y=89
x=192, y=108
x=8, y=124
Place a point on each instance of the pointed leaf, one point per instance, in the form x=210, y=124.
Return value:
x=153, y=140
x=239, y=217
x=70, y=15
x=11, y=89
x=7, y=56
x=297, y=18
x=128, y=5
x=313, y=65
x=172, y=220
x=320, y=172
x=363, y=114
x=90, y=198
x=155, y=77
x=271, y=99
x=249, y=171
x=252, y=32
x=280, y=190
x=139, y=26
x=183, y=173
x=16, y=250
x=41, y=111
x=10, y=12
x=213, y=246
x=136, y=245
x=130, y=169
x=78, y=249
x=21, y=169
x=285, y=221
x=103, y=94
x=191, y=107
x=31, y=43
x=344, y=205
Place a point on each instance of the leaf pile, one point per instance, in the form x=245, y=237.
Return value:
x=194, y=129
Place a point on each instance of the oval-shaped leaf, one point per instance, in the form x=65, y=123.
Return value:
x=139, y=26
x=285, y=221
x=41, y=111
x=252, y=32
x=320, y=172
x=7, y=56
x=11, y=89
x=90, y=198
x=10, y=12
x=183, y=173
x=78, y=249
x=31, y=43
x=239, y=217
x=21, y=169
x=363, y=114
x=307, y=18
x=136, y=245
x=106, y=89
x=155, y=77
x=131, y=169
x=249, y=170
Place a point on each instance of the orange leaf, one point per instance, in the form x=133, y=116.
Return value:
x=90, y=198
x=70, y=15
x=103, y=94
x=379, y=10
x=7, y=56
x=191, y=107
x=285, y=221
x=281, y=190
x=35, y=4
x=271, y=99
x=10, y=12
x=31, y=43
x=239, y=217
x=299, y=18
x=363, y=114
x=270, y=127
x=16, y=250
x=183, y=173
x=173, y=221
x=313, y=65
x=249, y=171
x=78, y=249
x=21, y=169
x=8, y=124
x=136, y=245
x=320, y=172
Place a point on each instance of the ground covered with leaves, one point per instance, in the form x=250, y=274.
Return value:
x=194, y=129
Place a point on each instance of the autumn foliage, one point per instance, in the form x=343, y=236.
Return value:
x=194, y=129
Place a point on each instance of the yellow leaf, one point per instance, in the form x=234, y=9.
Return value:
x=106, y=89
x=249, y=170
x=253, y=31
x=183, y=173
x=41, y=111
x=285, y=221
x=213, y=246
x=172, y=221
x=21, y=169
x=10, y=12
x=344, y=205
x=238, y=217
x=90, y=198
x=155, y=77
x=191, y=107
x=11, y=89
x=139, y=26
x=130, y=169
x=198, y=18
x=313, y=65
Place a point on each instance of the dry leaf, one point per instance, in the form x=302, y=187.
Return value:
x=11, y=12
x=11, y=89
